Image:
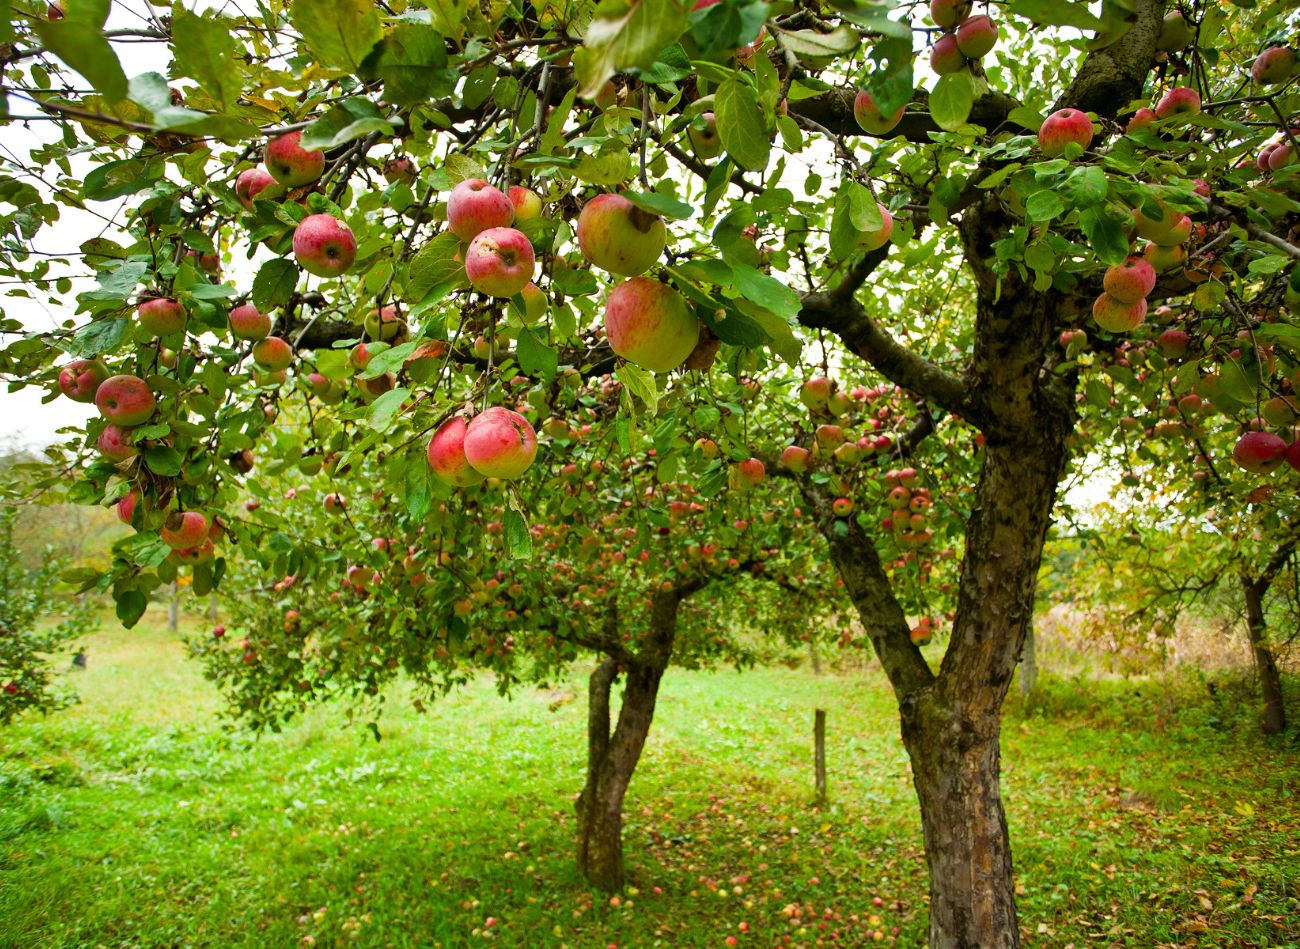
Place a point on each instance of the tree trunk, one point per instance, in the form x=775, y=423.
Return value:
x=1270, y=682
x=814, y=656
x=1028, y=664
x=819, y=755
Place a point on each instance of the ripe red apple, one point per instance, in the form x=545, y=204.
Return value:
x=115, y=443
x=1063, y=128
x=617, y=236
x=748, y=474
x=247, y=322
x=1142, y=118
x=949, y=13
x=385, y=325
x=500, y=443
x=272, y=354
x=500, y=261
x=707, y=448
x=869, y=117
x=878, y=238
x=1130, y=281
x=446, y=454
x=1281, y=155
x=945, y=57
x=1179, y=101
x=80, y=379
x=161, y=317
x=126, y=400
x=475, y=206
x=1173, y=342
x=291, y=164
x=796, y=459
x=842, y=507
x=1273, y=66
x=1293, y=455
x=1259, y=452
x=184, y=529
x=399, y=168
x=125, y=506
x=703, y=136
x=323, y=245
x=252, y=182
x=650, y=324
x=1177, y=234
x=1116, y=317
x=977, y=36
x=526, y=202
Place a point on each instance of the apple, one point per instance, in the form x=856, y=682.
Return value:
x=161, y=317
x=208, y=263
x=80, y=379
x=1273, y=66
x=1063, y=128
x=1293, y=455
x=650, y=324
x=1283, y=154
x=1179, y=101
x=748, y=474
x=977, y=36
x=850, y=453
x=218, y=632
x=842, y=507
x=500, y=443
x=1142, y=118
x=115, y=443
x=372, y=388
x=323, y=245
x=1116, y=317
x=272, y=354
x=1177, y=234
x=829, y=437
x=869, y=117
x=475, y=206
x=949, y=13
x=1173, y=342
x=252, y=182
x=125, y=506
x=878, y=238
x=126, y=400
x=189, y=556
x=1130, y=281
x=1259, y=452
x=291, y=164
x=707, y=448
x=243, y=461
x=446, y=454
x=333, y=503
x=385, y=325
x=1153, y=227
x=796, y=459
x=945, y=57
x=535, y=303
x=1175, y=33
x=921, y=634
x=1164, y=258
x=499, y=262
x=703, y=136
x=247, y=322
x=839, y=403
x=399, y=168
x=184, y=529
x=617, y=236
x=526, y=202
x=816, y=393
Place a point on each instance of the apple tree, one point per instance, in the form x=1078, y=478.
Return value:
x=511, y=199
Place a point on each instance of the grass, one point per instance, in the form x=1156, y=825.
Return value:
x=1141, y=815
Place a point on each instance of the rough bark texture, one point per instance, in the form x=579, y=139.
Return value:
x=1273, y=720
x=612, y=759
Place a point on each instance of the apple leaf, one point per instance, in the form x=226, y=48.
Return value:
x=741, y=125
x=130, y=606
x=203, y=51
x=385, y=408
x=766, y=291
x=640, y=383
x=1105, y=234
x=811, y=44
x=519, y=542
x=951, y=100
x=433, y=265
x=625, y=35
x=1055, y=13
x=535, y=356
x=274, y=283
x=655, y=203
x=608, y=169
x=412, y=63
x=78, y=39
x=163, y=460
x=341, y=32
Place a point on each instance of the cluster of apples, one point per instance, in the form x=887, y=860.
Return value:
x=910, y=504
x=496, y=443
x=1179, y=101
x=966, y=39
x=499, y=258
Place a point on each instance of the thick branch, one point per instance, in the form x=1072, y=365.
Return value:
x=1111, y=77
x=834, y=111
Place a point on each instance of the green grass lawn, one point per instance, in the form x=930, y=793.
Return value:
x=1141, y=815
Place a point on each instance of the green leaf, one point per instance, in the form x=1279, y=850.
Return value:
x=1044, y=205
x=340, y=32
x=767, y=292
x=608, y=169
x=204, y=51
x=163, y=460
x=78, y=39
x=435, y=264
x=641, y=383
x=625, y=35
x=665, y=204
x=274, y=283
x=672, y=65
x=809, y=44
x=535, y=357
x=411, y=61
x=99, y=337
x=419, y=486
x=131, y=605
x=519, y=543
x=1106, y=235
x=384, y=408
x=1088, y=185
x=951, y=100
x=1056, y=13
x=116, y=179
x=344, y=123
x=741, y=125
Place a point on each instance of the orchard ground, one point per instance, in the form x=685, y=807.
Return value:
x=1143, y=813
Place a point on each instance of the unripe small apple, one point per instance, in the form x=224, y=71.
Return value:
x=323, y=245
x=500, y=443
x=617, y=236
x=272, y=354
x=1175, y=33
x=333, y=503
x=869, y=117
x=80, y=379
x=875, y=239
x=707, y=448
x=446, y=454
x=1116, y=317
x=535, y=303
x=500, y=261
x=977, y=36
x=247, y=322
x=1062, y=129
x=385, y=325
x=161, y=317
x=125, y=400
x=291, y=164
x=475, y=206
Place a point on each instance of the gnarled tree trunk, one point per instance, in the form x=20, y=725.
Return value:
x=1273, y=720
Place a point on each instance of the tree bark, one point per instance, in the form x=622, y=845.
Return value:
x=612, y=759
x=1028, y=664
x=1273, y=720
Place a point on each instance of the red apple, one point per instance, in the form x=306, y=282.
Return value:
x=816, y=393
x=842, y=507
x=80, y=379
x=1142, y=118
x=796, y=459
x=446, y=454
x=399, y=168
x=1173, y=342
x=617, y=236
x=500, y=262
x=1130, y=281
x=247, y=322
x=1259, y=452
x=1273, y=66
x=184, y=529
x=526, y=202
x=1116, y=317
x=869, y=117
x=650, y=324
x=879, y=237
x=977, y=36
x=291, y=164
x=1164, y=258
x=333, y=503
x=252, y=182
x=272, y=354
x=949, y=13
x=161, y=317
x=945, y=57
x=1063, y=128
x=323, y=245
x=475, y=206
x=748, y=474
x=500, y=443
x=125, y=506
x=126, y=400
x=1179, y=101
x=385, y=325
x=115, y=443
x=189, y=556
